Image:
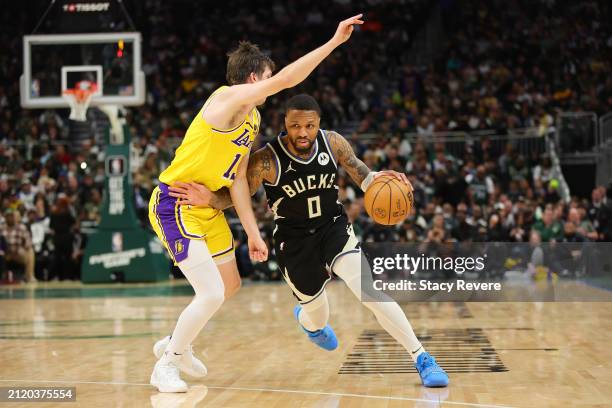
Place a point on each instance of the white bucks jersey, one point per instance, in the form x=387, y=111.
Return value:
x=305, y=192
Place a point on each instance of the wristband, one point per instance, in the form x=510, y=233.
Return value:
x=368, y=180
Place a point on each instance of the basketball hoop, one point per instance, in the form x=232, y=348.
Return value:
x=79, y=98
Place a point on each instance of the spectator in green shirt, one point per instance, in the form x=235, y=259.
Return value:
x=548, y=228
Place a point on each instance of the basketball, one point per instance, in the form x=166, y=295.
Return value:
x=388, y=201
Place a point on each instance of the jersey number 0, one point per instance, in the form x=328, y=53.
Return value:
x=314, y=207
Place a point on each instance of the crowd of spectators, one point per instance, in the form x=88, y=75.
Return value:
x=477, y=197
x=504, y=65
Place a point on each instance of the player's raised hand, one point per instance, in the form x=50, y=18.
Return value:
x=345, y=29
x=193, y=194
x=396, y=174
x=258, y=251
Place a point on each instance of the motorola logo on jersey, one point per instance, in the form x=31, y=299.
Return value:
x=309, y=183
x=323, y=159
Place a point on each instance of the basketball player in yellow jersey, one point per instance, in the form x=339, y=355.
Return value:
x=215, y=153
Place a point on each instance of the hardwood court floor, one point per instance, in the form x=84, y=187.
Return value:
x=99, y=339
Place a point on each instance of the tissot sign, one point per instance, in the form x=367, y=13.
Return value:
x=85, y=7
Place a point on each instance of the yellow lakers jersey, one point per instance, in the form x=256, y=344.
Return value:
x=211, y=156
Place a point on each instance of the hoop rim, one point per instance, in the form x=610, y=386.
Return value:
x=79, y=99
x=81, y=95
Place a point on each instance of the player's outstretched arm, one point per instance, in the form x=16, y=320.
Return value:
x=260, y=168
x=294, y=73
x=239, y=191
x=356, y=169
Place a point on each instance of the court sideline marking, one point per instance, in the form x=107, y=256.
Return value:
x=337, y=394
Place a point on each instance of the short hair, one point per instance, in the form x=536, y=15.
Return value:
x=243, y=60
x=302, y=102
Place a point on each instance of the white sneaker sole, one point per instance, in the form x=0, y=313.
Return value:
x=167, y=388
x=158, y=350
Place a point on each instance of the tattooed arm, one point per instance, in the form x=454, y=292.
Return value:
x=260, y=169
x=345, y=156
x=359, y=172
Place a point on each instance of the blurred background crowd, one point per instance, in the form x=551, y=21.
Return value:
x=501, y=66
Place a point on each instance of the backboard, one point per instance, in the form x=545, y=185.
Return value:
x=54, y=62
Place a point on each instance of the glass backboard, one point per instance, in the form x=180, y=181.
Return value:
x=55, y=62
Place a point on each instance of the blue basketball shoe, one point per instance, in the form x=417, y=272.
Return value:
x=432, y=375
x=324, y=338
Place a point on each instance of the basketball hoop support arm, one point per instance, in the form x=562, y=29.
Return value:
x=116, y=123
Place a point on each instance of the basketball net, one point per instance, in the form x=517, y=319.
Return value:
x=79, y=99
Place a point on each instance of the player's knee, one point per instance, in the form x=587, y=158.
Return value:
x=212, y=300
x=232, y=288
x=383, y=308
x=216, y=300
x=373, y=306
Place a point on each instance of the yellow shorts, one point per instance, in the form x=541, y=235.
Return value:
x=177, y=225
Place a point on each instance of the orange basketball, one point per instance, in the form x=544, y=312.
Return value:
x=388, y=200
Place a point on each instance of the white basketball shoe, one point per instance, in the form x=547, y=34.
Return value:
x=189, y=364
x=166, y=377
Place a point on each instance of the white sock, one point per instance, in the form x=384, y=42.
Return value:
x=389, y=314
x=416, y=353
x=315, y=314
x=203, y=275
x=170, y=356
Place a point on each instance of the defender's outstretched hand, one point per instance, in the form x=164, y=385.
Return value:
x=345, y=29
